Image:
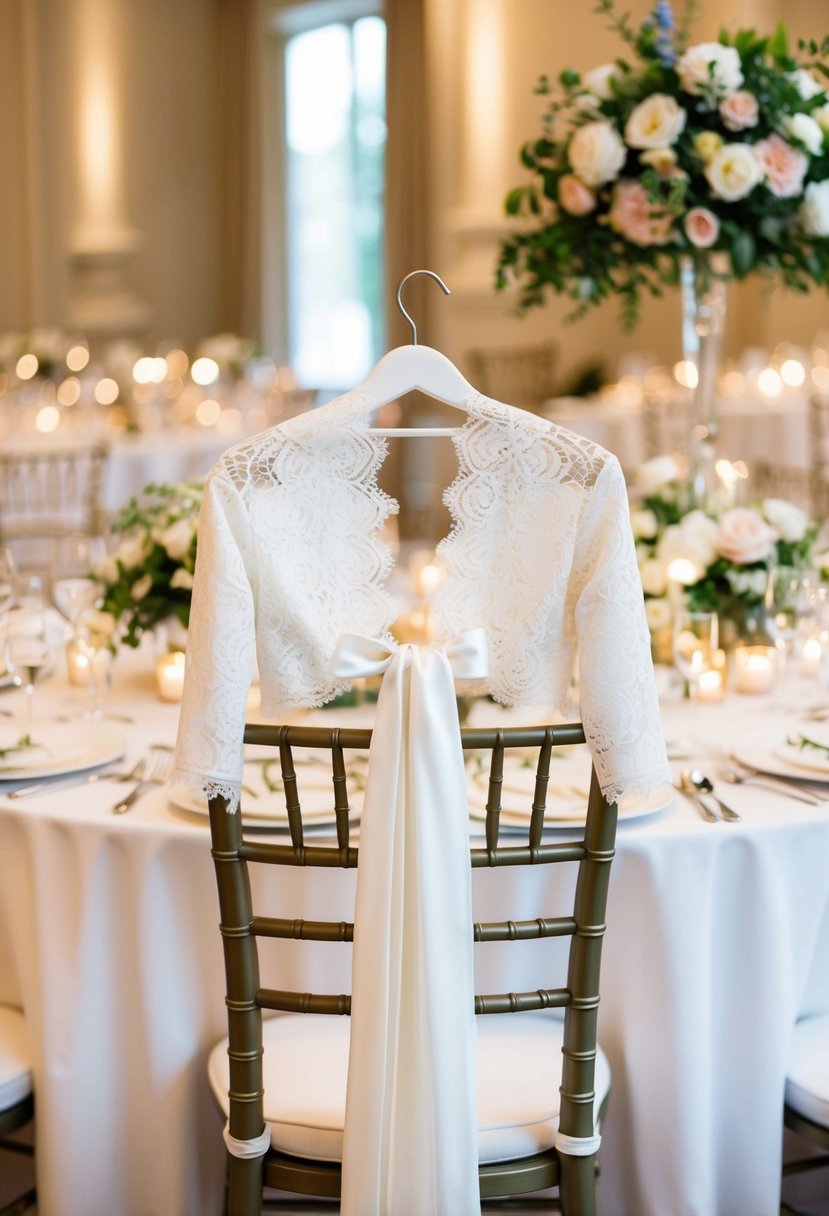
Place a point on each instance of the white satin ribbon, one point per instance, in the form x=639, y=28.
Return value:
x=410, y=1143
x=257, y=1147
x=577, y=1146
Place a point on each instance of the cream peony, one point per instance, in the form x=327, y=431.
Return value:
x=597, y=81
x=814, y=210
x=743, y=536
x=596, y=153
x=658, y=614
x=131, y=551
x=806, y=84
x=701, y=227
x=656, y=473
x=657, y=122
x=644, y=524
x=784, y=167
x=692, y=540
x=141, y=587
x=574, y=196
x=654, y=576
x=804, y=129
x=182, y=578
x=177, y=538
x=740, y=111
x=788, y=521
x=733, y=172
x=710, y=69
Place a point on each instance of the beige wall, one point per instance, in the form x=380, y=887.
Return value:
x=162, y=61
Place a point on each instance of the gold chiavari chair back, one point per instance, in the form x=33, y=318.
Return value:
x=281, y=1055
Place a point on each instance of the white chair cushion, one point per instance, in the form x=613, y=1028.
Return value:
x=807, y=1080
x=15, y=1062
x=306, y=1064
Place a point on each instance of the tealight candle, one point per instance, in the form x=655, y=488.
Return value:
x=810, y=659
x=710, y=685
x=169, y=673
x=754, y=668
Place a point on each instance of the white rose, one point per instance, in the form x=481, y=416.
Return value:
x=814, y=210
x=733, y=172
x=597, y=153
x=176, y=539
x=692, y=540
x=821, y=117
x=658, y=614
x=748, y=582
x=788, y=521
x=131, y=551
x=804, y=129
x=656, y=473
x=644, y=524
x=657, y=122
x=710, y=69
x=141, y=587
x=654, y=577
x=107, y=569
x=806, y=84
x=597, y=81
x=182, y=578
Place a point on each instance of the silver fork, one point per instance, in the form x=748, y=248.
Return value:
x=158, y=768
x=62, y=783
x=729, y=772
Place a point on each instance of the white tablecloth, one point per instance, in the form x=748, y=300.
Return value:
x=718, y=939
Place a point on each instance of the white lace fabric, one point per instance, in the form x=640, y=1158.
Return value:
x=540, y=554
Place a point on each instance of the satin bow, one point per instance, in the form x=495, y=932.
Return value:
x=410, y=1142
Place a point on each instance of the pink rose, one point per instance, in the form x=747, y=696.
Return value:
x=744, y=536
x=784, y=167
x=574, y=196
x=701, y=227
x=740, y=110
x=635, y=217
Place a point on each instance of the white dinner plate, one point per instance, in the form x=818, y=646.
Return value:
x=566, y=794
x=806, y=757
x=782, y=761
x=261, y=805
x=58, y=747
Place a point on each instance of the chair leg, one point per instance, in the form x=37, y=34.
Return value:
x=21, y=1205
x=577, y=1184
x=244, y=1185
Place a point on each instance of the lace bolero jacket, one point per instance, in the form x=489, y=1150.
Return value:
x=540, y=555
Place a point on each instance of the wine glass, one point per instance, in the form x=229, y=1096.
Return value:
x=74, y=590
x=27, y=644
x=790, y=610
x=696, y=637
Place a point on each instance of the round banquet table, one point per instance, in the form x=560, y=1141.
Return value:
x=718, y=940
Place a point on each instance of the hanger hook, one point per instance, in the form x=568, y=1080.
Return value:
x=405, y=280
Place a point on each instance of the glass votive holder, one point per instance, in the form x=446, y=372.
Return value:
x=169, y=675
x=755, y=668
x=710, y=685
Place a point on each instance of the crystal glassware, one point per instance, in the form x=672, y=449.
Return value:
x=695, y=645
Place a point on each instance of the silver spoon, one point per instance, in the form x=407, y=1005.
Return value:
x=701, y=782
x=688, y=787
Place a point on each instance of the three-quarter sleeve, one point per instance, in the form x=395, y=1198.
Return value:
x=617, y=689
x=220, y=647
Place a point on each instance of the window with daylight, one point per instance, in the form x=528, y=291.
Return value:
x=334, y=150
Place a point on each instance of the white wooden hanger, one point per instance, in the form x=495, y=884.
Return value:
x=415, y=367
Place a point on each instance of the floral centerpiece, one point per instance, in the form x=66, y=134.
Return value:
x=148, y=579
x=688, y=149
x=719, y=557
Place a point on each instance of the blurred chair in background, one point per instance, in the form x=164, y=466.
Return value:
x=769, y=480
x=46, y=493
x=519, y=375
x=667, y=425
x=819, y=453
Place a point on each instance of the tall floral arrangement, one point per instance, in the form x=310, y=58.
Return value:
x=721, y=555
x=680, y=149
x=148, y=579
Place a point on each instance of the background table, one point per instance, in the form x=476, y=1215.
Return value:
x=718, y=940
